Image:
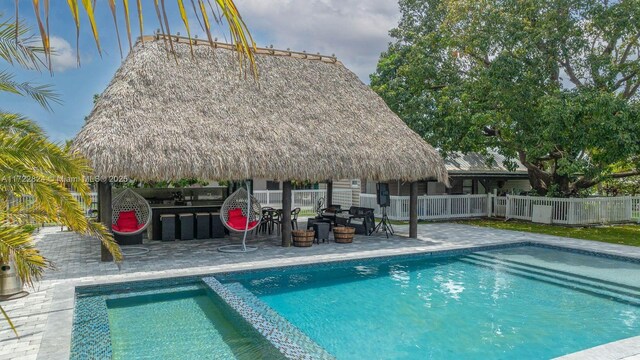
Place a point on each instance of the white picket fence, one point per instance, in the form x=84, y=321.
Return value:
x=577, y=211
x=499, y=206
x=306, y=200
x=26, y=201
x=438, y=207
x=567, y=211
x=573, y=211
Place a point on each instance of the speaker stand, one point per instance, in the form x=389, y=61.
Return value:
x=384, y=224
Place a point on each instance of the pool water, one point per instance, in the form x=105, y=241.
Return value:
x=180, y=325
x=525, y=302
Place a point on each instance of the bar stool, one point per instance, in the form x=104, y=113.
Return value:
x=168, y=227
x=185, y=223
x=203, y=228
x=217, y=229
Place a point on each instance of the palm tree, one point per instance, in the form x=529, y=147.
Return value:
x=25, y=152
x=204, y=11
x=33, y=167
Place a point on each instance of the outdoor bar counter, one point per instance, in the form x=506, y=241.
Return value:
x=162, y=209
x=175, y=201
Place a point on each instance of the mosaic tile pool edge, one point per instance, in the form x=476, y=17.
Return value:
x=91, y=336
x=281, y=323
x=275, y=336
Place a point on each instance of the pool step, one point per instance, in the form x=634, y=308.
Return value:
x=634, y=290
x=298, y=337
x=285, y=337
x=616, y=292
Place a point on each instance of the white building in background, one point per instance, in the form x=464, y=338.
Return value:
x=468, y=174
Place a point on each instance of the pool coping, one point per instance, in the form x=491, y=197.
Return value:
x=56, y=340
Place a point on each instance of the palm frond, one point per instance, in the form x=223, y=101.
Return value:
x=31, y=165
x=112, y=6
x=185, y=20
x=11, y=123
x=127, y=19
x=42, y=94
x=16, y=246
x=6, y=317
x=18, y=47
x=226, y=9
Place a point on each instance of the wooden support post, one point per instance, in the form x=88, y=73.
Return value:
x=329, y=200
x=104, y=214
x=413, y=210
x=286, y=214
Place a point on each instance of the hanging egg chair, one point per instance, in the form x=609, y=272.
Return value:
x=240, y=213
x=131, y=213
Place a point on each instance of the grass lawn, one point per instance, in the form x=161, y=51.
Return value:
x=615, y=234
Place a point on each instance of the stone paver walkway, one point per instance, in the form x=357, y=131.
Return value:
x=44, y=317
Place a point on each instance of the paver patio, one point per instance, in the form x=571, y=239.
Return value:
x=44, y=317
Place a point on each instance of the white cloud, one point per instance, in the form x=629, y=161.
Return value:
x=63, y=56
x=355, y=30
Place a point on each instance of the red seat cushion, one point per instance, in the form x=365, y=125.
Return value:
x=238, y=221
x=236, y=213
x=127, y=222
x=240, y=225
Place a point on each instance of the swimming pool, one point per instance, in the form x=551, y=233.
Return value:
x=519, y=302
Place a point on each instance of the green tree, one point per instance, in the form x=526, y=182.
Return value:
x=553, y=84
x=33, y=168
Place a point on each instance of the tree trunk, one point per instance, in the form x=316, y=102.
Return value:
x=329, y=200
x=413, y=210
x=537, y=183
x=286, y=214
x=105, y=214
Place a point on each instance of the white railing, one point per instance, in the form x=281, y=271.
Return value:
x=567, y=211
x=27, y=201
x=306, y=200
x=432, y=207
x=635, y=208
x=571, y=211
x=576, y=211
x=499, y=206
x=86, y=207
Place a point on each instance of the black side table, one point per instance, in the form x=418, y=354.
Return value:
x=321, y=230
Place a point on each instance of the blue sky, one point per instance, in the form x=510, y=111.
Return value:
x=355, y=30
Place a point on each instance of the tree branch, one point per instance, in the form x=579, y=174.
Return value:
x=532, y=168
x=630, y=90
x=625, y=174
x=627, y=50
x=624, y=79
x=572, y=75
x=584, y=183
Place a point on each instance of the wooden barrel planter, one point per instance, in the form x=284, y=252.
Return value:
x=343, y=234
x=302, y=238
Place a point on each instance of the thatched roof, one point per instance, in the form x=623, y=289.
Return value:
x=309, y=119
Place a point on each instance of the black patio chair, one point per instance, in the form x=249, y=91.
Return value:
x=265, y=221
x=276, y=221
x=294, y=218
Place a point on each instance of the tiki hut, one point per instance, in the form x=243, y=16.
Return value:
x=306, y=117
